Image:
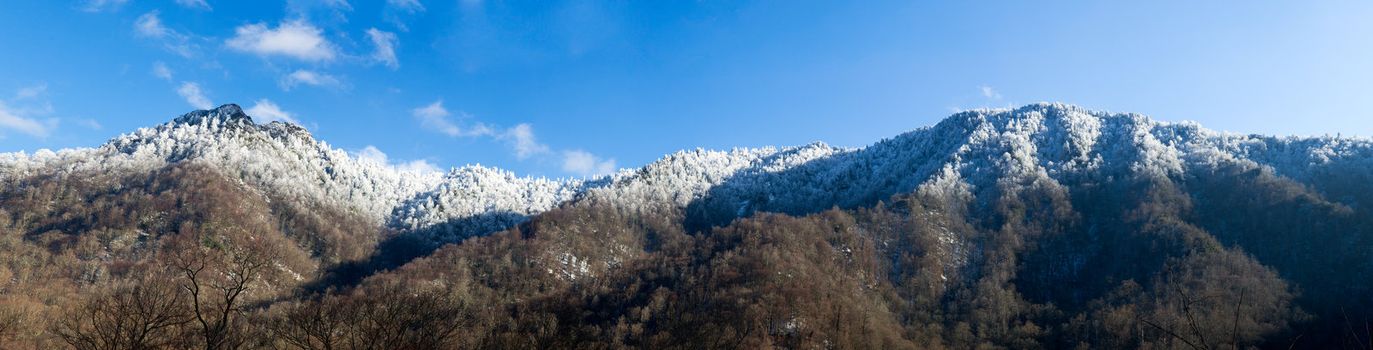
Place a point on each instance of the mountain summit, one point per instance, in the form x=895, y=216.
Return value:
x=226, y=114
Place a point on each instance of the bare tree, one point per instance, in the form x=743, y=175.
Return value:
x=1192, y=336
x=1197, y=339
x=395, y=315
x=319, y=324
x=217, y=274
x=10, y=322
x=386, y=314
x=138, y=314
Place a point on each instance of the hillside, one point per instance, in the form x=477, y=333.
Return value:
x=1047, y=225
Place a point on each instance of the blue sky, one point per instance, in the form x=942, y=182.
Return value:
x=552, y=88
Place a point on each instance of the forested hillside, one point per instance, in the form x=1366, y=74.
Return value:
x=1044, y=226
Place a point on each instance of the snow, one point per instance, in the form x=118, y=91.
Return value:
x=474, y=200
x=957, y=159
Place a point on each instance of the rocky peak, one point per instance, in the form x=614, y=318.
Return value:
x=224, y=115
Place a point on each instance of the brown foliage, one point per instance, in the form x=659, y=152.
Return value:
x=220, y=274
x=11, y=321
x=387, y=314
x=183, y=258
x=137, y=314
x=1214, y=301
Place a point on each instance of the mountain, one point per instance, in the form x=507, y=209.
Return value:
x=970, y=151
x=1047, y=225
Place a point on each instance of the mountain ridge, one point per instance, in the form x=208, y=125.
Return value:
x=966, y=152
x=1044, y=225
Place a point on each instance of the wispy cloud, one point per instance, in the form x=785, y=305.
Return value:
x=339, y=4
x=578, y=162
x=586, y=164
x=407, y=5
x=150, y=25
x=195, y=4
x=296, y=39
x=265, y=111
x=14, y=120
x=102, y=5
x=431, y=110
x=435, y=117
x=396, y=9
x=21, y=113
x=161, y=71
x=523, y=143
x=90, y=124
x=29, y=92
x=196, y=98
x=385, y=44
x=521, y=138
x=328, y=12
x=989, y=92
x=307, y=77
x=372, y=154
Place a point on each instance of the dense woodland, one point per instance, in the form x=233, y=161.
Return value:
x=184, y=257
x=1046, y=226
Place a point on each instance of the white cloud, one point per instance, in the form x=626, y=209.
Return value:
x=407, y=5
x=191, y=92
x=586, y=164
x=265, y=111
x=296, y=39
x=435, y=117
x=194, y=4
x=385, y=43
x=150, y=25
x=331, y=12
x=372, y=154
x=418, y=166
x=432, y=110
x=90, y=124
x=395, y=10
x=161, y=71
x=989, y=92
x=306, y=77
x=22, y=112
x=31, y=91
x=521, y=137
x=478, y=129
x=339, y=4
x=17, y=120
x=102, y=5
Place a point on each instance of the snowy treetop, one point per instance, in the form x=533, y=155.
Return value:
x=967, y=153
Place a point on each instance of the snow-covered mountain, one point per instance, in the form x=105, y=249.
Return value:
x=996, y=150
x=1046, y=225
x=958, y=158
x=279, y=158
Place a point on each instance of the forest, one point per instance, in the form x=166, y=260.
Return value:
x=185, y=257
